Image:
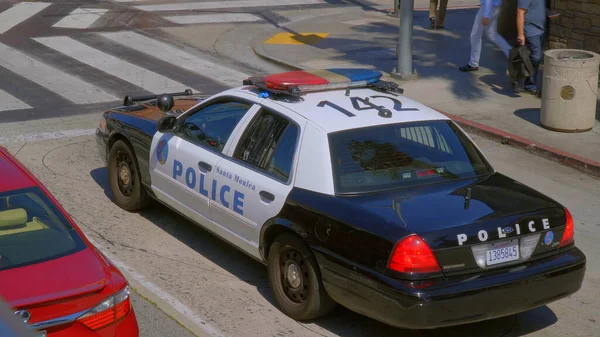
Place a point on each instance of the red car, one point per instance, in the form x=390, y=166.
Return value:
x=57, y=282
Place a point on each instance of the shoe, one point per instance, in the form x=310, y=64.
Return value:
x=440, y=27
x=468, y=67
x=533, y=92
x=431, y=23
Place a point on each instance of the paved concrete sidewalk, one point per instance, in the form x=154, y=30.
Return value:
x=481, y=101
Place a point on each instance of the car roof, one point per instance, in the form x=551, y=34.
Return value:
x=13, y=176
x=318, y=107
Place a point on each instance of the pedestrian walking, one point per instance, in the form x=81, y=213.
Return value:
x=437, y=21
x=486, y=21
x=531, y=29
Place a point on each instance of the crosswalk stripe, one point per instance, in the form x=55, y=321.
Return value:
x=213, y=18
x=178, y=57
x=224, y=4
x=81, y=18
x=19, y=13
x=65, y=85
x=9, y=102
x=124, y=70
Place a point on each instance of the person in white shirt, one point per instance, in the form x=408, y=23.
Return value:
x=485, y=20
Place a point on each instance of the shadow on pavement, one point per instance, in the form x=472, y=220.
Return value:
x=340, y=321
x=437, y=54
x=530, y=115
x=202, y=241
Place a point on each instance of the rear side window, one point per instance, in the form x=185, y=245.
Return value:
x=401, y=155
x=269, y=144
x=33, y=230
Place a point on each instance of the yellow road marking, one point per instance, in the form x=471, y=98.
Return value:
x=300, y=38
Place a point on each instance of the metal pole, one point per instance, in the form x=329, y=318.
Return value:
x=404, y=68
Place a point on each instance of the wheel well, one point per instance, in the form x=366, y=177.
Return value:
x=270, y=235
x=113, y=139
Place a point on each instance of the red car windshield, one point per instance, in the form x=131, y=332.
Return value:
x=33, y=230
x=400, y=155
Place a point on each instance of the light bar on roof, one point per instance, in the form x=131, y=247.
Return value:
x=302, y=81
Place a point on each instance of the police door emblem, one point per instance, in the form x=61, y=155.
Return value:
x=23, y=315
x=162, y=151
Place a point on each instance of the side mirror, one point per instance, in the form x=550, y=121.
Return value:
x=167, y=124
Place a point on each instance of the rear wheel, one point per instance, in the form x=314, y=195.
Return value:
x=295, y=279
x=124, y=178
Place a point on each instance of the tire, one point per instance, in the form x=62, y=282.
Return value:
x=308, y=300
x=127, y=190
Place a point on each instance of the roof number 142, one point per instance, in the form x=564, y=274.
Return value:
x=362, y=104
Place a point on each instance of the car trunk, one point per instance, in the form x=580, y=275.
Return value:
x=466, y=220
x=58, y=287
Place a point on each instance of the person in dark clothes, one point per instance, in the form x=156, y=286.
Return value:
x=531, y=29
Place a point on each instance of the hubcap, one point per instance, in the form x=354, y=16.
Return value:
x=294, y=275
x=124, y=174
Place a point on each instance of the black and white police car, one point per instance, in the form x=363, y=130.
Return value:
x=350, y=193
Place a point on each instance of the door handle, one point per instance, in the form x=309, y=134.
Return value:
x=267, y=195
x=204, y=166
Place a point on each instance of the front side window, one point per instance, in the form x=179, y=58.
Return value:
x=33, y=230
x=213, y=124
x=401, y=155
x=269, y=143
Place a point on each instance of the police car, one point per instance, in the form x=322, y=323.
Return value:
x=349, y=193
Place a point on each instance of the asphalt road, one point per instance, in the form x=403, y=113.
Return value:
x=153, y=322
x=187, y=273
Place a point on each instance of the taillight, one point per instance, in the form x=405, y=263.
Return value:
x=567, y=237
x=413, y=255
x=109, y=311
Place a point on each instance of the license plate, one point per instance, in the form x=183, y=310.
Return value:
x=501, y=252
x=40, y=333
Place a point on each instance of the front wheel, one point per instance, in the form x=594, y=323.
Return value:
x=124, y=178
x=295, y=280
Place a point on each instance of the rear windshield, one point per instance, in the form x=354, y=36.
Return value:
x=33, y=230
x=401, y=155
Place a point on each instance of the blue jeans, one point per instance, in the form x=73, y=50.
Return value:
x=534, y=43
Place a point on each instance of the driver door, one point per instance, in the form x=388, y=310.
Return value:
x=183, y=163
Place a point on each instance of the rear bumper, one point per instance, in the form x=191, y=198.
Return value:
x=457, y=300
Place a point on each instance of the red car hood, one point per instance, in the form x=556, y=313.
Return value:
x=69, y=276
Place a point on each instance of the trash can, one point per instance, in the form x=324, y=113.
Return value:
x=570, y=90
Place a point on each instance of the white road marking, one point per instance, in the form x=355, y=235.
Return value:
x=178, y=57
x=70, y=87
x=213, y=18
x=9, y=102
x=202, y=324
x=224, y=4
x=19, y=13
x=124, y=70
x=46, y=136
x=81, y=18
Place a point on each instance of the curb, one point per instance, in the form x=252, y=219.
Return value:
x=582, y=164
x=257, y=46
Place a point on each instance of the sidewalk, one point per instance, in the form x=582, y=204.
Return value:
x=481, y=101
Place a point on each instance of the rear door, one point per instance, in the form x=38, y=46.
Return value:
x=259, y=168
x=182, y=164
